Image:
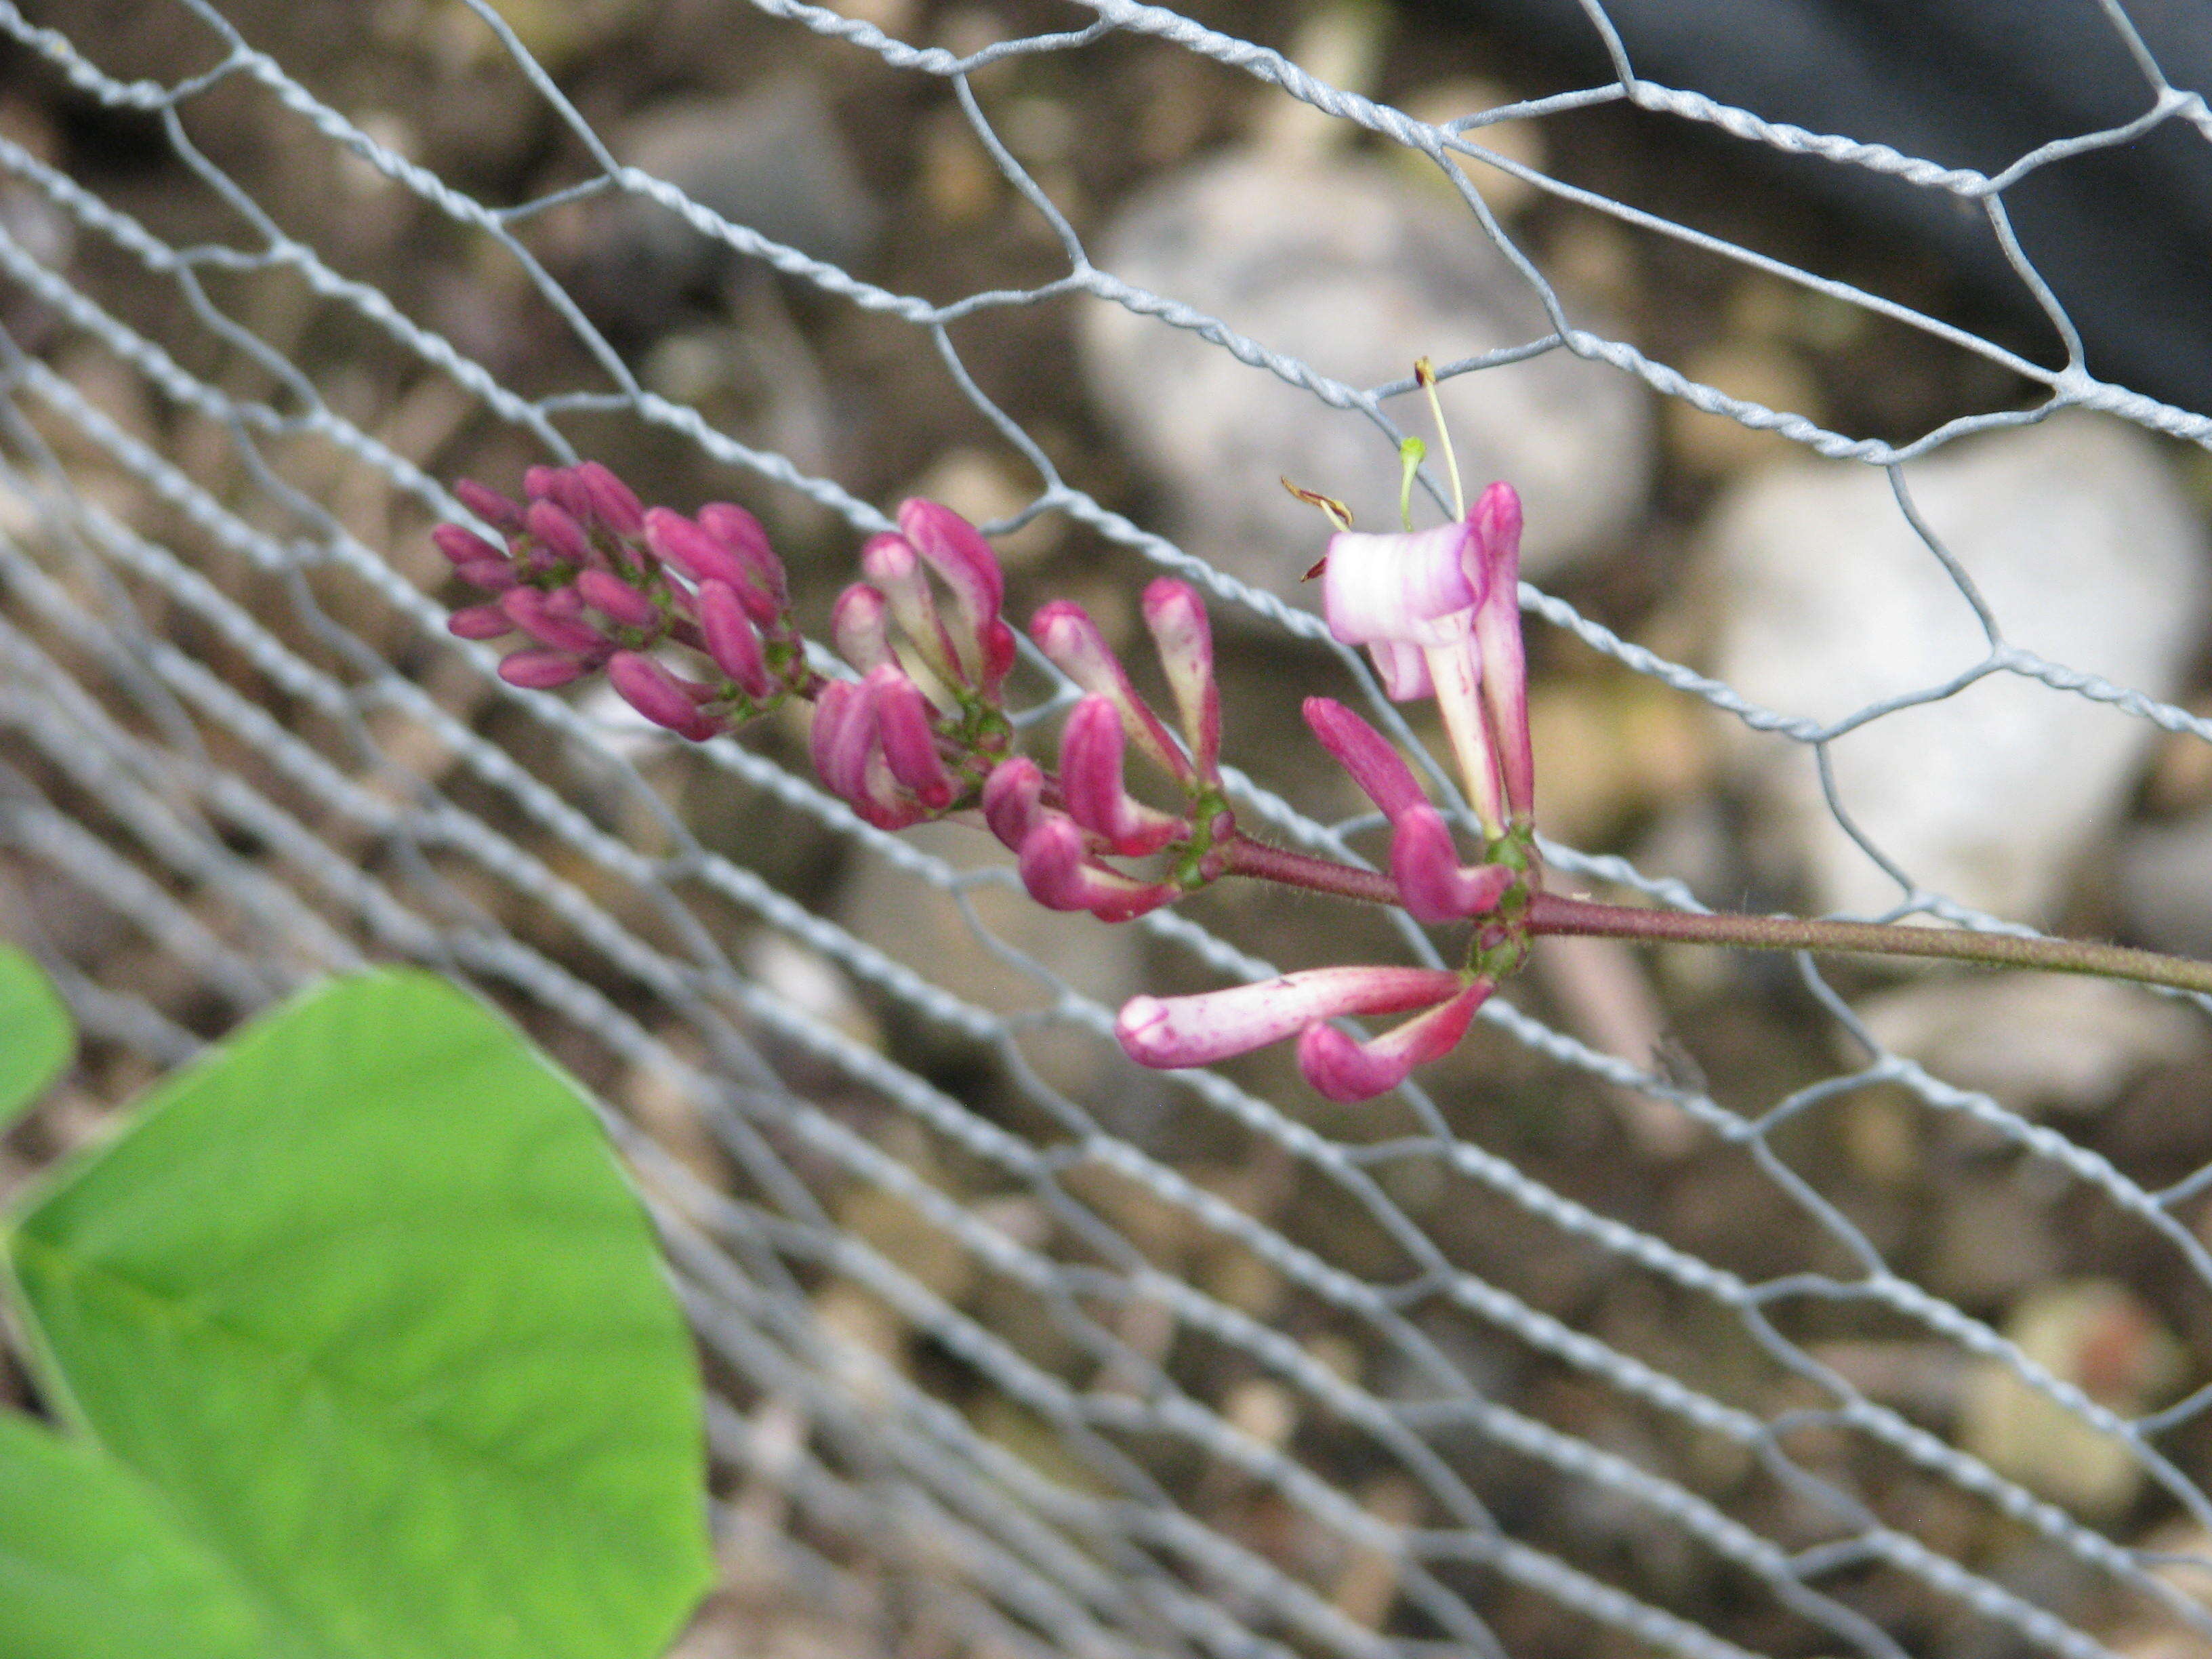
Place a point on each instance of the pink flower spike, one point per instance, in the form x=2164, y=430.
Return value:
x=488, y=504
x=894, y=569
x=1372, y=759
x=1197, y=1031
x=676, y=540
x=539, y=670
x=556, y=529
x=732, y=642
x=909, y=741
x=1091, y=782
x=843, y=735
x=1433, y=885
x=1497, y=524
x=1176, y=616
x=659, y=695
x=464, y=548
x=479, y=622
x=860, y=623
x=1062, y=876
x=611, y=501
x=1348, y=1070
x=615, y=600
x=1013, y=801
x=1066, y=633
x=957, y=551
x=538, y=615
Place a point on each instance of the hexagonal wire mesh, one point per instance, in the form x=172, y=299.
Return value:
x=1014, y=1351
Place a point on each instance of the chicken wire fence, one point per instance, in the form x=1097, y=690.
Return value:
x=1013, y=1350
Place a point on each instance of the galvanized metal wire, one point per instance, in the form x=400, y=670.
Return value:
x=238, y=737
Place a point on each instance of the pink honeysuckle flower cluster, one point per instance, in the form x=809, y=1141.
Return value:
x=594, y=582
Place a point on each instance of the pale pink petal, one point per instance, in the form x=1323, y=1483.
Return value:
x=1404, y=587
x=1066, y=636
x=1403, y=670
x=861, y=624
x=1497, y=522
x=1176, y=616
x=1197, y=1031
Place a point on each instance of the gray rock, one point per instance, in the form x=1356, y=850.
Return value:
x=1357, y=270
x=2087, y=551
x=2165, y=886
x=2035, y=1041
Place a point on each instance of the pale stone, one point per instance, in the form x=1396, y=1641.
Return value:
x=2088, y=553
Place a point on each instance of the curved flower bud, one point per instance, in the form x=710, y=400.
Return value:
x=1347, y=1070
x=1090, y=782
x=539, y=670
x=1066, y=633
x=479, y=622
x=491, y=575
x=463, y=547
x=1197, y=1031
x=1176, y=616
x=892, y=565
x=860, y=623
x=607, y=498
x=615, y=600
x=1061, y=875
x=541, y=616
x=1372, y=759
x=1013, y=801
x=909, y=738
x=488, y=504
x=1433, y=885
x=731, y=640
x=656, y=694
x=957, y=551
x=842, y=735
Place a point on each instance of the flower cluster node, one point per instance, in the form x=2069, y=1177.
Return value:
x=594, y=582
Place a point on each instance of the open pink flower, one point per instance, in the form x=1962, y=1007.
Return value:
x=1439, y=612
x=1198, y=1031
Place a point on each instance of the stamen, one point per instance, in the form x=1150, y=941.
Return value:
x=1426, y=374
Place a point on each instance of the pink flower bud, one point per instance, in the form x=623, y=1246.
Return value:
x=659, y=695
x=539, y=616
x=1373, y=761
x=609, y=499
x=543, y=483
x=617, y=600
x=557, y=531
x=1176, y=616
x=909, y=738
x=1091, y=782
x=1066, y=633
x=479, y=622
x=1433, y=885
x=843, y=735
x=464, y=548
x=1197, y=1031
x=1061, y=875
x=861, y=624
x=895, y=570
x=1013, y=801
x=957, y=551
x=704, y=558
x=1496, y=521
x=731, y=640
x=491, y=575
x=488, y=504
x=741, y=534
x=539, y=670
x=1347, y=1070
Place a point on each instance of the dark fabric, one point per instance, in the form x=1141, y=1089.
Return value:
x=2123, y=235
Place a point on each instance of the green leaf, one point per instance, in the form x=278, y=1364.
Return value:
x=37, y=1037
x=92, y=1566
x=365, y=1298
